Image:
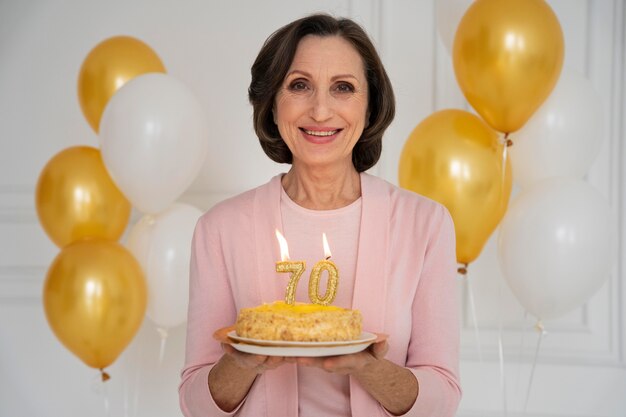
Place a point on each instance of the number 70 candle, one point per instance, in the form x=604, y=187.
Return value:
x=296, y=268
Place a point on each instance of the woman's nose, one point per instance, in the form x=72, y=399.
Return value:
x=321, y=106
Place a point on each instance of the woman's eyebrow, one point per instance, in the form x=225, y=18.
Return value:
x=334, y=78
x=306, y=74
x=344, y=76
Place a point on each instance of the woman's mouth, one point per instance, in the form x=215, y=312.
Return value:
x=319, y=136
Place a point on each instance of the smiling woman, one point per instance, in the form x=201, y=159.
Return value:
x=322, y=101
x=276, y=61
x=321, y=107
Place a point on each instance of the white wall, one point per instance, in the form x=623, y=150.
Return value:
x=581, y=367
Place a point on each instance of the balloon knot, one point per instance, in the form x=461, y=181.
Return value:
x=539, y=327
x=462, y=269
x=508, y=142
x=105, y=376
x=162, y=332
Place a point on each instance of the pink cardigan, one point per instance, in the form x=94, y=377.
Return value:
x=405, y=287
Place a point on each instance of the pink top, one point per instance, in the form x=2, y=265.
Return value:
x=405, y=287
x=321, y=393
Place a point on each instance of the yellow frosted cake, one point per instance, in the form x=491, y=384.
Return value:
x=300, y=322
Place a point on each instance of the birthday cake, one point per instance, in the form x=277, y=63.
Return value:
x=299, y=322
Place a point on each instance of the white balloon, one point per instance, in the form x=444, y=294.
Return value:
x=162, y=245
x=554, y=246
x=563, y=137
x=154, y=140
x=448, y=14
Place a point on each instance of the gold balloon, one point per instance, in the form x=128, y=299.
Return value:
x=76, y=198
x=507, y=58
x=108, y=66
x=95, y=299
x=456, y=159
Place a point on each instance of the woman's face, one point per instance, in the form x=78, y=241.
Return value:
x=321, y=107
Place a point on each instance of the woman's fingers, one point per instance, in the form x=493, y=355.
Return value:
x=379, y=350
x=344, y=364
x=259, y=363
x=347, y=364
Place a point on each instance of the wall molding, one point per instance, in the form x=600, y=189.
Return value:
x=513, y=357
x=619, y=153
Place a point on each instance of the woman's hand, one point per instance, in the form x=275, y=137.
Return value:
x=233, y=375
x=393, y=386
x=256, y=363
x=348, y=364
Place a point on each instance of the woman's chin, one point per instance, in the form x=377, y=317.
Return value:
x=321, y=161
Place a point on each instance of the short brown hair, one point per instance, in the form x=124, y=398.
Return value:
x=273, y=62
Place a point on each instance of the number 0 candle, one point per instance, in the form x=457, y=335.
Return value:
x=333, y=278
x=296, y=268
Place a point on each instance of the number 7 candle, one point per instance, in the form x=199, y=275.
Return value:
x=296, y=268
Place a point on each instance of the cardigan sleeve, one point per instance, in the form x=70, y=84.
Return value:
x=211, y=306
x=433, y=353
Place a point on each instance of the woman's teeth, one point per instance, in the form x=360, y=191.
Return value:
x=320, y=133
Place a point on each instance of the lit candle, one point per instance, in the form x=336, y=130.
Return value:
x=296, y=268
x=333, y=278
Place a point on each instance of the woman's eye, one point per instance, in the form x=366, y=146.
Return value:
x=345, y=87
x=298, y=86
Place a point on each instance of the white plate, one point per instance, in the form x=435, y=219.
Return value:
x=363, y=338
x=283, y=348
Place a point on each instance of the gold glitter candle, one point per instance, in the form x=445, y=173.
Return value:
x=296, y=268
x=331, y=286
x=333, y=278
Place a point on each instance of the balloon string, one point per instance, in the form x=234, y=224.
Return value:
x=522, y=332
x=470, y=294
x=505, y=155
x=539, y=327
x=105, y=394
x=132, y=387
x=501, y=350
x=505, y=149
x=125, y=397
x=502, y=379
x=137, y=379
x=163, y=333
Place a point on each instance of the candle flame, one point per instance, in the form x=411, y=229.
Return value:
x=327, y=253
x=284, y=249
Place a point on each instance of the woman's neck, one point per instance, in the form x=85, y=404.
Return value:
x=322, y=189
